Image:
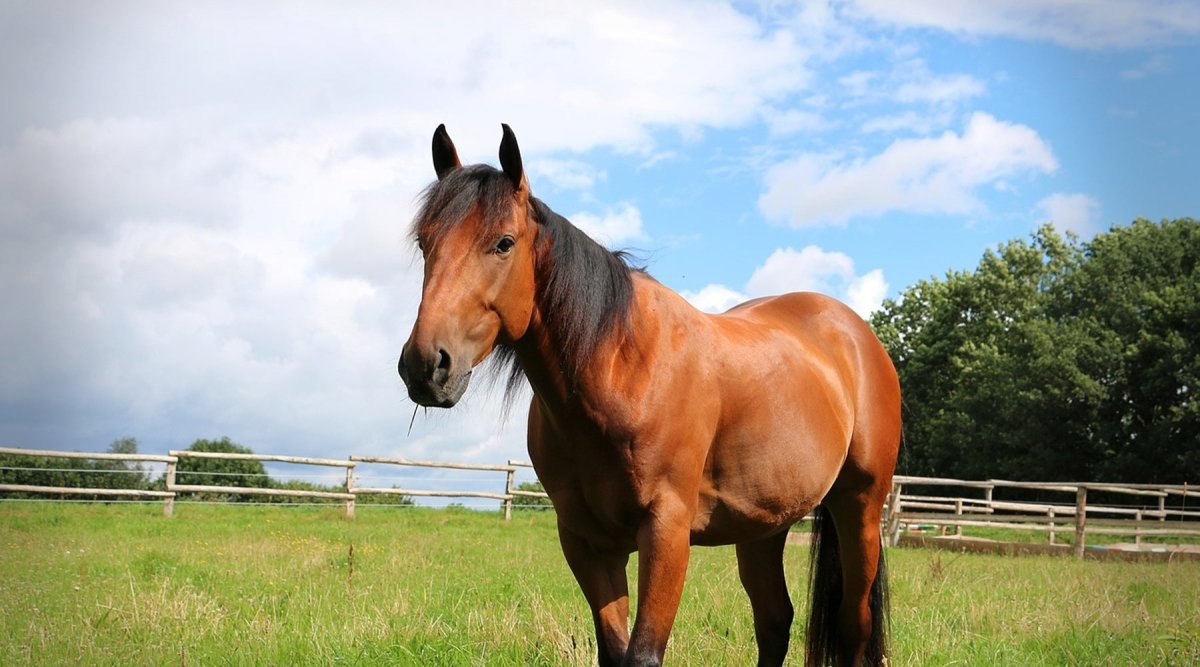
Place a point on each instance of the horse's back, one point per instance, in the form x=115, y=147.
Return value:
x=830, y=332
x=824, y=327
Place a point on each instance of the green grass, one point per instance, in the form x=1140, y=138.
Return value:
x=229, y=585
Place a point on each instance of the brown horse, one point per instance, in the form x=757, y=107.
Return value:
x=655, y=426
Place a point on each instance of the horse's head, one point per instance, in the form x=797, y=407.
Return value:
x=476, y=236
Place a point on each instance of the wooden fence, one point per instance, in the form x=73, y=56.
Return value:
x=903, y=511
x=169, y=504
x=1150, y=518
x=142, y=493
x=349, y=496
x=507, y=496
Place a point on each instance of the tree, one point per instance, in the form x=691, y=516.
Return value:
x=385, y=499
x=221, y=472
x=76, y=473
x=126, y=474
x=1138, y=293
x=531, y=502
x=1055, y=359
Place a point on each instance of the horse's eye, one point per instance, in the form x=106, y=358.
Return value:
x=504, y=245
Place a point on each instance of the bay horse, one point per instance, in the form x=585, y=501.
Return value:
x=654, y=426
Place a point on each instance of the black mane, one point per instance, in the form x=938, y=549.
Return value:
x=586, y=291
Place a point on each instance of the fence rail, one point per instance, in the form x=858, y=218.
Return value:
x=349, y=496
x=1080, y=518
x=101, y=456
x=80, y=491
x=902, y=511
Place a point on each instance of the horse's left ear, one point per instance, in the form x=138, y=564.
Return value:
x=510, y=159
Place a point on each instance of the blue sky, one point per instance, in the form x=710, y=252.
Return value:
x=203, y=206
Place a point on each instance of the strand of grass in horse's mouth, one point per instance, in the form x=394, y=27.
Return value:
x=414, y=419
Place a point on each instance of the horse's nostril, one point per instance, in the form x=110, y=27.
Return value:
x=443, y=360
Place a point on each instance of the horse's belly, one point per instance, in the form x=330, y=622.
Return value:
x=761, y=480
x=728, y=520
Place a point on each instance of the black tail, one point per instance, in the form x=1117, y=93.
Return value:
x=824, y=642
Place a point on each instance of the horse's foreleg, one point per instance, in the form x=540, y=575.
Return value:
x=760, y=566
x=663, y=543
x=601, y=577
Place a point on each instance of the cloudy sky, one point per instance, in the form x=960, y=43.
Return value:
x=203, y=206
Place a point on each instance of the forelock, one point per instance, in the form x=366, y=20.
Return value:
x=446, y=203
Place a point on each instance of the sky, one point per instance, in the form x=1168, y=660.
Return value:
x=204, y=206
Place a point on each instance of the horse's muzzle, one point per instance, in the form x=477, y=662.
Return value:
x=432, y=379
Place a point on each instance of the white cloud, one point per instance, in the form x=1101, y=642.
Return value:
x=563, y=174
x=202, y=220
x=949, y=89
x=816, y=270
x=1078, y=24
x=810, y=269
x=909, y=121
x=794, y=121
x=926, y=175
x=715, y=298
x=1078, y=213
x=865, y=293
x=909, y=82
x=616, y=226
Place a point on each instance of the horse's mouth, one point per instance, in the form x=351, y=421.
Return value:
x=431, y=394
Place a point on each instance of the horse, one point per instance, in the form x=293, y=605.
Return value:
x=654, y=426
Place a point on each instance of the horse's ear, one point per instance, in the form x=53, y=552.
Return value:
x=445, y=157
x=510, y=158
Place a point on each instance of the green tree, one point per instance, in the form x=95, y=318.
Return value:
x=76, y=473
x=1138, y=295
x=531, y=502
x=221, y=472
x=125, y=474
x=385, y=499
x=1055, y=359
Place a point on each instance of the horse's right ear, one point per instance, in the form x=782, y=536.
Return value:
x=445, y=157
x=510, y=159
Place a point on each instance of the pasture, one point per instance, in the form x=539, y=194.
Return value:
x=256, y=585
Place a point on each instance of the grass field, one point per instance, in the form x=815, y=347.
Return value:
x=230, y=585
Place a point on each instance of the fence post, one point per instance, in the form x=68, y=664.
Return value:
x=1137, y=531
x=958, y=509
x=349, y=486
x=1050, y=513
x=169, y=501
x=894, y=529
x=508, y=489
x=1080, y=519
x=1162, y=508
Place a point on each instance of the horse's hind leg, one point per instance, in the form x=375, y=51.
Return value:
x=760, y=566
x=861, y=617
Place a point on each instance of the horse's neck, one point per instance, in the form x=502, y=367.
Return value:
x=540, y=355
x=590, y=391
